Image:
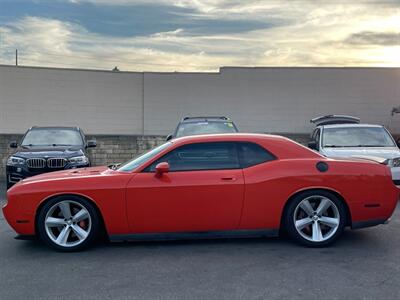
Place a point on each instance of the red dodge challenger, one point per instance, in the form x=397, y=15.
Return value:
x=206, y=186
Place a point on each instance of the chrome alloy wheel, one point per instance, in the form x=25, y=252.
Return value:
x=68, y=223
x=316, y=218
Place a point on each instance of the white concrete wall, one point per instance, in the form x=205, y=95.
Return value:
x=273, y=99
x=257, y=99
x=99, y=102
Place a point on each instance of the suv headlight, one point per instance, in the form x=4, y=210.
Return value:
x=79, y=160
x=394, y=162
x=15, y=161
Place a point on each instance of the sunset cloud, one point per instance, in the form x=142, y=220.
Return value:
x=183, y=35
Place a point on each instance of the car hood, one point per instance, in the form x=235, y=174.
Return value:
x=71, y=173
x=384, y=152
x=64, y=152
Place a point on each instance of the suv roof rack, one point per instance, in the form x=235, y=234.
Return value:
x=206, y=118
x=55, y=127
x=335, y=119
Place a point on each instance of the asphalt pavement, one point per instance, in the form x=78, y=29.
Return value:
x=363, y=264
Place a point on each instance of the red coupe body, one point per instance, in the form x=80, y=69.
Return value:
x=139, y=202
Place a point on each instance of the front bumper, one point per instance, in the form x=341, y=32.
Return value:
x=21, y=221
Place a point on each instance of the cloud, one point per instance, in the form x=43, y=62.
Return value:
x=301, y=34
x=374, y=38
x=130, y=20
x=49, y=42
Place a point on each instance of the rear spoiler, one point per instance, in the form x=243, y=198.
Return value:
x=379, y=160
x=335, y=119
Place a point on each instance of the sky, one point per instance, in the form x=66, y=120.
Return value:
x=194, y=35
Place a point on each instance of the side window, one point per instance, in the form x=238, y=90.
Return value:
x=201, y=156
x=251, y=154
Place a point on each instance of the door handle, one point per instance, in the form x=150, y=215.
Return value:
x=228, y=178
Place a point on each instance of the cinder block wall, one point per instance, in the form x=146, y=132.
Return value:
x=6, y=151
x=118, y=149
x=113, y=148
x=110, y=148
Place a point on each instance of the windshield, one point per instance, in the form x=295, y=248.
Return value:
x=186, y=129
x=52, y=137
x=357, y=137
x=138, y=161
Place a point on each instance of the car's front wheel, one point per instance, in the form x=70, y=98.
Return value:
x=315, y=218
x=68, y=223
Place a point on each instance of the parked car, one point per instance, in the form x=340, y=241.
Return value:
x=344, y=136
x=203, y=125
x=206, y=186
x=46, y=149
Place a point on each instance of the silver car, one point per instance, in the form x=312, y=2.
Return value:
x=344, y=136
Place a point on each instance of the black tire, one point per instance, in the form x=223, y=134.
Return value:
x=292, y=209
x=93, y=233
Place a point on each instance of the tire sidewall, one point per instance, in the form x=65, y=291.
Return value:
x=289, y=218
x=40, y=225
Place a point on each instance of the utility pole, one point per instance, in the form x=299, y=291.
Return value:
x=16, y=57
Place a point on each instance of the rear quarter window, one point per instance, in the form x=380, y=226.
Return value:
x=251, y=154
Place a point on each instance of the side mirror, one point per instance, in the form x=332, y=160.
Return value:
x=162, y=168
x=13, y=144
x=91, y=144
x=313, y=145
x=169, y=137
x=398, y=143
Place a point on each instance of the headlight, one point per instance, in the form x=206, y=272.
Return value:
x=79, y=160
x=394, y=162
x=15, y=161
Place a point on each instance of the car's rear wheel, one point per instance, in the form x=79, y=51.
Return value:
x=68, y=223
x=315, y=218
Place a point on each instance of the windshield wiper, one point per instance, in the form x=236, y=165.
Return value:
x=361, y=146
x=333, y=146
x=371, y=146
x=57, y=145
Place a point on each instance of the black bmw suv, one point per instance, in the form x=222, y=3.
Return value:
x=46, y=149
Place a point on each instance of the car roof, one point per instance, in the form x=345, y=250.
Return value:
x=350, y=126
x=55, y=128
x=205, y=119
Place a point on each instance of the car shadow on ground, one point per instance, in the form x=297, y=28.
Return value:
x=360, y=239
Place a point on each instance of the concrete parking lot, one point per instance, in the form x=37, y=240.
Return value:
x=364, y=264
